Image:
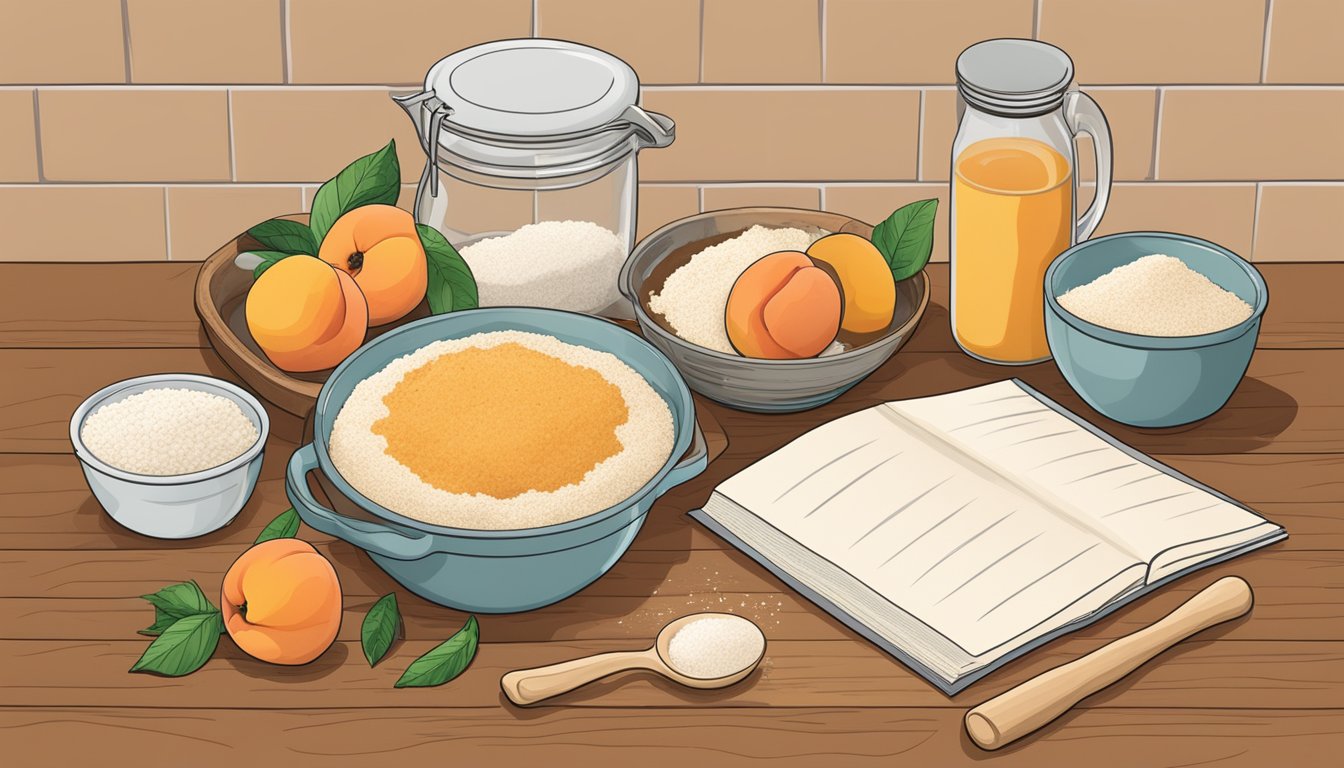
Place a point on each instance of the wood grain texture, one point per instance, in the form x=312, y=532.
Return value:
x=1263, y=689
x=653, y=737
x=1299, y=595
x=1269, y=675
x=99, y=305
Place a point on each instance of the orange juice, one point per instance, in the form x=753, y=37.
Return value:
x=1012, y=213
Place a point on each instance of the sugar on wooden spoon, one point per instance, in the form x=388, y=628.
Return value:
x=702, y=650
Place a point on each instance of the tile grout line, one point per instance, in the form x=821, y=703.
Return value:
x=706, y=87
x=284, y=41
x=1157, y=134
x=233, y=157
x=1264, y=41
x=167, y=228
x=1157, y=116
x=174, y=182
x=821, y=31
x=126, y=38
x=919, y=141
x=700, y=74
x=712, y=184
x=1255, y=221
x=37, y=138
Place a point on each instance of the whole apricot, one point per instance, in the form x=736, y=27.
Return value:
x=305, y=315
x=865, y=280
x=282, y=602
x=783, y=307
x=378, y=246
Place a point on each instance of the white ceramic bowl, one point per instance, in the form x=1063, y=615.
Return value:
x=173, y=506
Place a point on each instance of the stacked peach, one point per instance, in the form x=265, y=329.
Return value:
x=791, y=305
x=308, y=313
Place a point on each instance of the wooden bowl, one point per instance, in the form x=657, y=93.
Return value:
x=221, y=292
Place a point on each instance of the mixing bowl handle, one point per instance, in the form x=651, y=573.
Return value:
x=378, y=538
x=690, y=465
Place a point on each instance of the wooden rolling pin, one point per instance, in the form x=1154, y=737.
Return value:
x=1016, y=713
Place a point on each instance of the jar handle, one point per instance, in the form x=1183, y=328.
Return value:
x=654, y=129
x=1084, y=116
x=427, y=113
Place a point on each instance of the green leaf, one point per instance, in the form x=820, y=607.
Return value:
x=287, y=237
x=174, y=602
x=380, y=628
x=374, y=178
x=284, y=526
x=162, y=621
x=906, y=238
x=444, y=662
x=184, y=647
x=268, y=259
x=451, y=285
x=179, y=600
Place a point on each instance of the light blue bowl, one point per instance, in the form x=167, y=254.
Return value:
x=492, y=571
x=1151, y=381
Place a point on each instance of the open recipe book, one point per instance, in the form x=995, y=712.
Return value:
x=960, y=531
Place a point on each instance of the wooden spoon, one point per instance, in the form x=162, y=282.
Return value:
x=525, y=687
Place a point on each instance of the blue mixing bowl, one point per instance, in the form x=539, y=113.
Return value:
x=492, y=571
x=1151, y=381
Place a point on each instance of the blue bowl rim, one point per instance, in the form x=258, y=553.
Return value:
x=1144, y=342
x=682, y=434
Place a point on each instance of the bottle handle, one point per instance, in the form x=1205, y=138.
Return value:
x=1084, y=116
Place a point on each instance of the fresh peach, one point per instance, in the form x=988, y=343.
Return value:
x=282, y=602
x=783, y=307
x=378, y=246
x=865, y=280
x=305, y=315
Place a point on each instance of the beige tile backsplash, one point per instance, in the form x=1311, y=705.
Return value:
x=58, y=222
x=167, y=127
x=1158, y=41
x=18, y=162
x=185, y=42
x=661, y=40
x=761, y=41
x=913, y=41
x=41, y=42
x=133, y=135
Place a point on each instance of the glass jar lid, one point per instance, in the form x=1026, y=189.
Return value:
x=532, y=88
x=532, y=107
x=1012, y=77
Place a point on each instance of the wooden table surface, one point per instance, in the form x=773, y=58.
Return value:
x=1266, y=689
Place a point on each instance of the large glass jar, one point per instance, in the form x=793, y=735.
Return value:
x=1015, y=190
x=532, y=169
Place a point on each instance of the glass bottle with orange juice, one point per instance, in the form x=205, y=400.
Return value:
x=1014, y=192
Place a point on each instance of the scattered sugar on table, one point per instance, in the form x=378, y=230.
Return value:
x=166, y=431
x=1156, y=295
x=570, y=265
x=694, y=296
x=715, y=646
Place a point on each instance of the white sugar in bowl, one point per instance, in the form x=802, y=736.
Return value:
x=191, y=487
